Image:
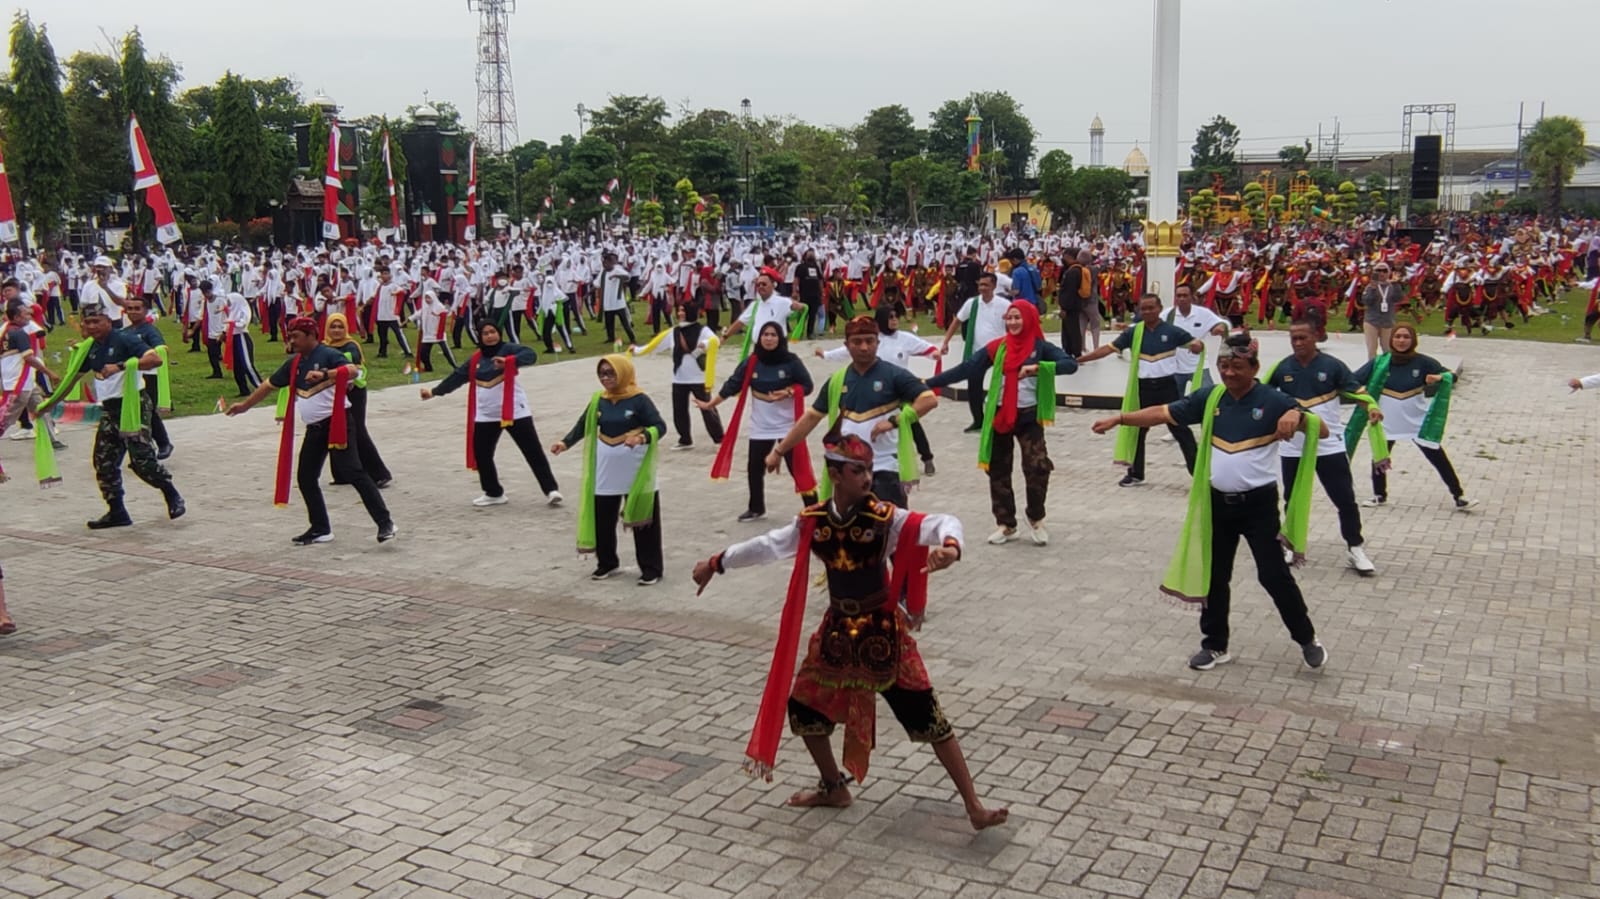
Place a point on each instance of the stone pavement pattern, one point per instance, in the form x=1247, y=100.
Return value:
x=200, y=709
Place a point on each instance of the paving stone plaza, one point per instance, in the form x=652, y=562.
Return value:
x=200, y=709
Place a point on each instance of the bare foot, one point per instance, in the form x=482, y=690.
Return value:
x=838, y=797
x=983, y=818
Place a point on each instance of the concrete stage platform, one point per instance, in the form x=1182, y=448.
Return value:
x=1099, y=384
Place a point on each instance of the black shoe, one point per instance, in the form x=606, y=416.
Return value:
x=601, y=574
x=649, y=580
x=175, y=506
x=1130, y=481
x=213, y=377
x=164, y=453
x=1314, y=654
x=312, y=536
x=972, y=429
x=381, y=355
x=114, y=518
x=1207, y=659
x=751, y=516
x=384, y=482
x=387, y=532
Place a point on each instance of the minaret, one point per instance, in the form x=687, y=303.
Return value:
x=1097, y=142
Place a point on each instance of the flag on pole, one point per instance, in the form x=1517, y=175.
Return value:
x=612, y=185
x=549, y=202
x=627, y=203
x=470, y=233
x=388, y=168
x=146, y=178
x=331, y=185
x=8, y=213
x=605, y=198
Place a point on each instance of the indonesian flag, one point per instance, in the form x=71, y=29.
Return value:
x=388, y=168
x=145, y=178
x=605, y=198
x=471, y=231
x=8, y=213
x=571, y=202
x=549, y=202
x=537, y=221
x=627, y=202
x=331, y=186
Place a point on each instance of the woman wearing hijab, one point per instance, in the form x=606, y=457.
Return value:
x=1413, y=390
x=896, y=346
x=773, y=382
x=336, y=333
x=690, y=343
x=497, y=403
x=1016, y=411
x=623, y=430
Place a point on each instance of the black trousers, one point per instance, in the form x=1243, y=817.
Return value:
x=887, y=487
x=486, y=436
x=680, y=413
x=920, y=438
x=1441, y=464
x=158, y=428
x=1253, y=516
x=244, y=363
x=385, y=328
x=214, y=354
x=646, y=538
x=1072, y=328
x=518, y=316
x=427, y=354
x=274, y=318
x=366, y=450
x=1159, y=392
x=551, y=325
x=346, y=463
x=1333, y=470
x=756, y=474
x=463, y=323
x=619, y=315
x=976, y=396
x=571, y=315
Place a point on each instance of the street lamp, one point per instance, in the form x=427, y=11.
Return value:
x=745, y=197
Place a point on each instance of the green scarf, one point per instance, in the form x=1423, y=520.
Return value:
x=969, y=334
x=905, y=446
x=80, y=352
x=797, y=323
x=44, y=456
x=1188, y=574
x=131, y=423
x=1432, y=430
x=1044, y=411
x=639, y=506
x=1361, y=421
x=1127, y=436
x=163, y=381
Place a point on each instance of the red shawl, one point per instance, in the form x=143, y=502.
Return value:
x=227, y=349
x=338, y=436
x=805, y=480
x=508, y=400
x=1019, y=347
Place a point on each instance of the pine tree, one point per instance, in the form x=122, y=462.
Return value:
x=241, y=149
x=39, y=151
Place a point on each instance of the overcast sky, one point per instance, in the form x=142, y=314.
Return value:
x=1276, y=68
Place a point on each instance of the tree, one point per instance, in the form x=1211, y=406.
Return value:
x=1552, y=150
x=1103, y=194
x=1056, y=187
x=1344, y=200
x=778, y=178
x=706, y=124
x=912, y=175
x=1201, y=205
x=1295, y=154
x=631, y=124
x=832, y=166
x=650, y=219
x=375, y=192
x=1213, y=154
x=98, y=131
x=594, y=162
x=712, y=164
x=317, y=144
x=1254, y=200
x=39, y=149
x=888, y=134
x=242, y=156
x=1005, y=129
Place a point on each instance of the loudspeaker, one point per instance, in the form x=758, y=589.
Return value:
x=1425, y=166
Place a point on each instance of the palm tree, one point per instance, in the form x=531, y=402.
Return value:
x=1552, y=150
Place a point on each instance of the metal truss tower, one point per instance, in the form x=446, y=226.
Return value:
x=1447, y=156
x=497, y=98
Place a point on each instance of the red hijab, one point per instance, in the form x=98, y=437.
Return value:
x=1019, y=347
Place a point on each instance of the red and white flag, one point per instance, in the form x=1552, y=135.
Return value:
x=8, y=213
x=388, y=168
x=331, y=185
x=470, y=233
x=571, y=202
x=605, y=198
x=549, y=202
x=147, y=179
x=627, y=202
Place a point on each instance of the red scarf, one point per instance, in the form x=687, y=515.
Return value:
x=338, y=437
x=508, y=400
x=910, y=557
x=1019, y=347
x=227, y=349
x=805, y=480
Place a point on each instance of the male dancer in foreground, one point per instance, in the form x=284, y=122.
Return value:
x=864, y=647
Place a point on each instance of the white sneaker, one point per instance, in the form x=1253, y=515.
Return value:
x=1002, y=536
x=487, y=500
x=553, y=498
x=1041, y=537
x=21, y=434
x=1359, y=561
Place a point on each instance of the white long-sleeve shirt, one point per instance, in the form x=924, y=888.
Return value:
x=782, y=543
x=1591, y=382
